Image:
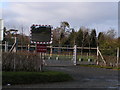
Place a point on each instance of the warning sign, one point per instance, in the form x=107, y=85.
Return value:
x=41, y=48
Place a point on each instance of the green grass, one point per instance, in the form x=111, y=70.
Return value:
x=61, y=57
x=117, y=68
x=85, y=58
x=68, y=57
x=107, y=67
x=34, y=77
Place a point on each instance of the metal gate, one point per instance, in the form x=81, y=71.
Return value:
x=59, y=56
x=69, y=56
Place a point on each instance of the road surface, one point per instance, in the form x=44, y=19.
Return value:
x=84, y=77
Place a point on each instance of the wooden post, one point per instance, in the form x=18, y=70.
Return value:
x=15, y=47
x=97, y=55
x=28, y=47
x=14, y=66
x=118, y=56
x=41, y=62
x=40, y=67
x=6, y=46
x=51, y=51
x=101, y=56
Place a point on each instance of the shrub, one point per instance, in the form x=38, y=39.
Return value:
x=20, y=61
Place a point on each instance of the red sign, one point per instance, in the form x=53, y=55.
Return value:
x=41, y=48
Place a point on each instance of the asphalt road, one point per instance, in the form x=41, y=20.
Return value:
x=84, y=77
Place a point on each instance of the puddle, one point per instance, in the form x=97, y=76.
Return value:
x=88, y=79
x=111, y=80
x=99, y=79
x=113, y=87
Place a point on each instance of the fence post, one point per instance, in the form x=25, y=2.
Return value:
x=14, y=63
x=102, y=57
x=118, y=56
x=97, y=55
x=40, y=64
x=75, y=55
x=14, y=46
x=6, y=46
x=0, y=56
x=51, y=51
x=28, y=47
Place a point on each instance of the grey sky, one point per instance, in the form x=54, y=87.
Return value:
x=99, y=15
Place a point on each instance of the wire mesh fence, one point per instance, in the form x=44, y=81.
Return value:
x=110, y=57
x=60, y=53
x=84, y=55
x=30, y=60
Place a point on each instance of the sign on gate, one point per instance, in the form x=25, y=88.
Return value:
x=41, y=48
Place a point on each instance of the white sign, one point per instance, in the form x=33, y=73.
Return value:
x=1, y=29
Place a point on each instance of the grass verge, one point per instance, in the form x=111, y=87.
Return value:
x=34, y=77
x=107, y=67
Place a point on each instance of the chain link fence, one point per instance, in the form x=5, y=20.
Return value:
x=30, y=60
x=110, y=56
x=60, y=54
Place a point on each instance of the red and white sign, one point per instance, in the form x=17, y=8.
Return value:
x=41, y=48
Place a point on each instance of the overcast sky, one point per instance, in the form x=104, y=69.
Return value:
x=99, y=15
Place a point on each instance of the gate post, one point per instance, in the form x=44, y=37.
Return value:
x=75, y=55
